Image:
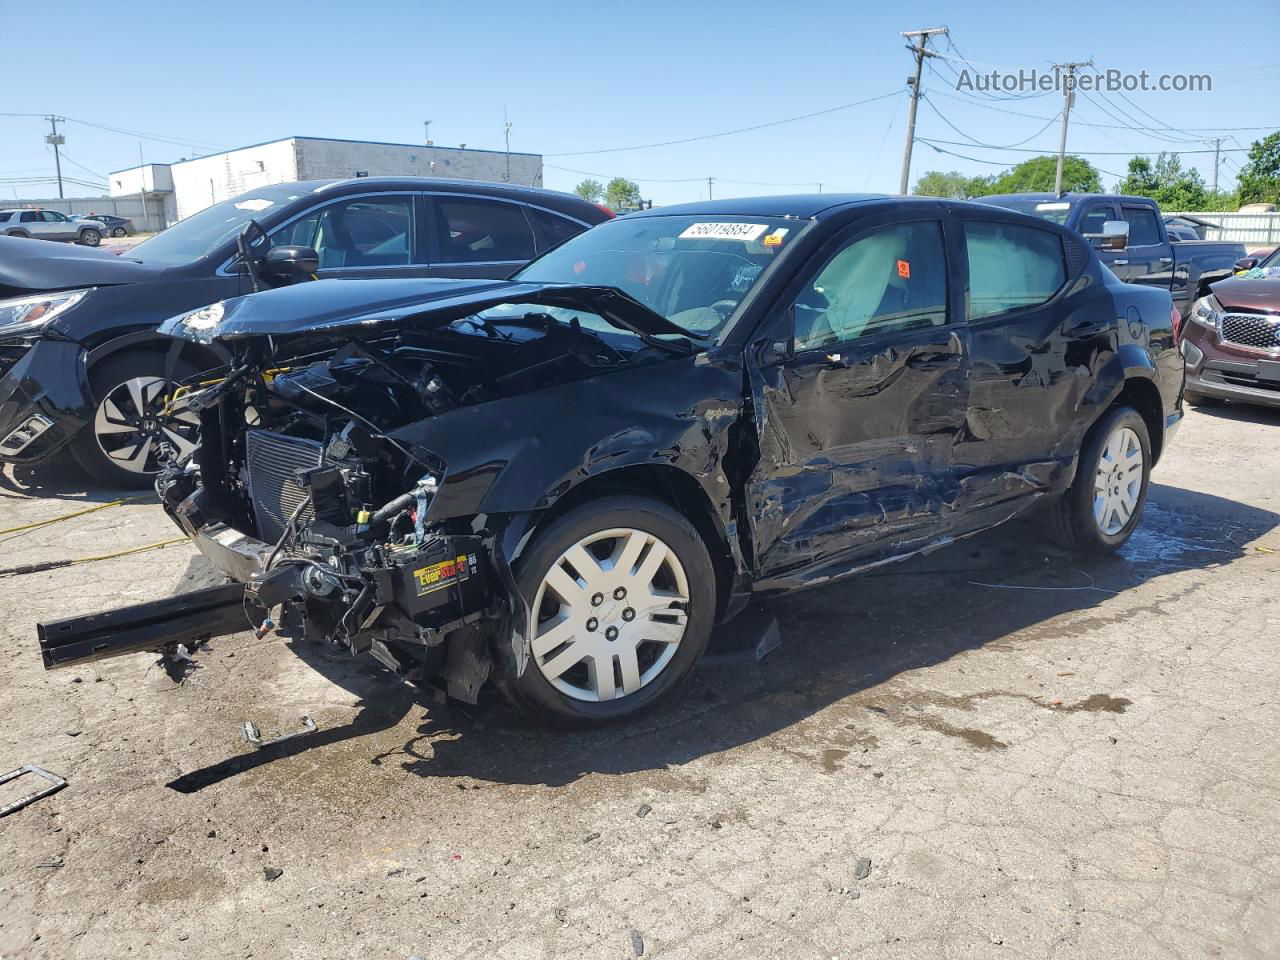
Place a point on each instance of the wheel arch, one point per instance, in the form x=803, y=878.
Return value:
x=1142, y=394
x=151, y=342
x=669, y=485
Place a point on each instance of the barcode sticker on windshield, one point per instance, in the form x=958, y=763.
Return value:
x=724, y=231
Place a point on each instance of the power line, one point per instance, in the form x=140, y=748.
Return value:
x=979, y=143
x=1092, y=153
x=728, y=133
x=993, y=163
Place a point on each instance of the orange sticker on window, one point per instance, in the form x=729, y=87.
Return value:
x=904, y=269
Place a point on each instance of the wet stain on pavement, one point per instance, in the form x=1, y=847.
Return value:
x=1098, y=703
x=831, y=759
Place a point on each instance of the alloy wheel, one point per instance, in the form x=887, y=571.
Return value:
x=611, y=612
x=91, y=238
x=1117, y=485
x=131, y=425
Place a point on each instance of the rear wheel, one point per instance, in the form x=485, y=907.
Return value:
x=118, y=232
x=90, y=238
x=622, y=593
x=1104, y=504
x=121, y=445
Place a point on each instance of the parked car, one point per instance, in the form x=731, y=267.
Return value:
x=1137, y=247
x=1232, y=340
x=81, y=362
x=50, y=225
x=116, y=226
x=564, y=480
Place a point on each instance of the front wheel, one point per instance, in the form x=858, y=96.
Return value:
x=622, y=594
x=121, y=445
x=1103, y=506
x=90, y=238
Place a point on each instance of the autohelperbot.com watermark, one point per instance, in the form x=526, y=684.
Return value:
x=1032, y=80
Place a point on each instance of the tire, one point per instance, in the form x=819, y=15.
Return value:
x=1074, y=521
x=118, y=232
x=89, y=238
x=105, y=447
x=1201, y=400
x=563, y=684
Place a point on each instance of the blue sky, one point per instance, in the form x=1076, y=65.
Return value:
x=581, y=77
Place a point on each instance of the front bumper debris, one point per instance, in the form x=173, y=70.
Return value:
x=187, y=619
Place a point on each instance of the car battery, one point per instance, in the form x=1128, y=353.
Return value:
x=440, y=581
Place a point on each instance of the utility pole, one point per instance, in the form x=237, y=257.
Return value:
x=920, y=53
x=709, y=180
x=142, y=189
x=1068, y=99
x=1217, y=150
x=426, y=131
x=56, y=140
x=506, y=131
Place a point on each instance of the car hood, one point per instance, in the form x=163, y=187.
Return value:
x=1249, y=293
x=40, y=265
x=333, y=306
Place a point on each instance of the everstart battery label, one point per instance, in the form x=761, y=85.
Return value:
x=437, y=576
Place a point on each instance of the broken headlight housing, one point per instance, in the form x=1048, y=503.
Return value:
x=29, y=314
x=1207, y=312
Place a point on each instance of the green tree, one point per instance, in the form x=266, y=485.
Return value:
x=622, y=194
x=590, y=190
x=952, y=185
x=1166, y=182
x=1037, y=174
x=1260, y=176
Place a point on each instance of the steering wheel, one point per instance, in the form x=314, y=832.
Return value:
x=724, y=308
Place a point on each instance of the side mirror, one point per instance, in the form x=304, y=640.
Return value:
x=289, y=261
x=774, y=352
x=1114, y=235
x=1247, y=263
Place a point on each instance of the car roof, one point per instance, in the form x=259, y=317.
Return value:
x=805, y=206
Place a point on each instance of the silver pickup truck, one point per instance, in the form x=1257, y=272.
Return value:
x=50, y=225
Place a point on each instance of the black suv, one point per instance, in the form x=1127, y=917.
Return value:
x=565, y=479
x=81, y=363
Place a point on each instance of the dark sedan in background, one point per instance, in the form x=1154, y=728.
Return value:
x=81, y=363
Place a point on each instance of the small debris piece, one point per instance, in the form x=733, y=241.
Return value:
x=644, y=810
x=55, y=783
x=395, y=871
x=561, y=914
x=211, y=834
x=73, y=733
x=637, y=943
x=591, y=836
x=854, y=895
x=862, y=868
x=272, y=873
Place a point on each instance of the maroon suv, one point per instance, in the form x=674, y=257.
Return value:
x=1232, y=338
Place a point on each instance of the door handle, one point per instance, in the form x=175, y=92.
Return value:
x=934, y=361
x=1121, y=263
x=1166, y=259
x=1089, y=329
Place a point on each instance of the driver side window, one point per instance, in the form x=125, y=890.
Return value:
x=361, y=232
x=893, y=278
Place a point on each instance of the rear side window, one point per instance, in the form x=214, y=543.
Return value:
x=1011, y=267
x=891, y=279
x=472, y=230
x=30, y=216
x=4, y=217
x=1143, y=231
x=552, y=228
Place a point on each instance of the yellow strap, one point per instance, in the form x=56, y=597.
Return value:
x=70, y=516
x=160, y=544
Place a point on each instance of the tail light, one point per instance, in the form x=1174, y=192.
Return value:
x=605, y=210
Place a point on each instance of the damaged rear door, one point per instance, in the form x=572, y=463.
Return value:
x=860, y=392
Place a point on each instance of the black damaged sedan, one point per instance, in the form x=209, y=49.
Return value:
x=563, y=481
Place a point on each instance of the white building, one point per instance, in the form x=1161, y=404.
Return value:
x=199, y=183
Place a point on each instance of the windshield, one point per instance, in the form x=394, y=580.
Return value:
x=202, y=233
x=692, y=270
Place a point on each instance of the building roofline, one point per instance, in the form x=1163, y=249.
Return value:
x=370, y=143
